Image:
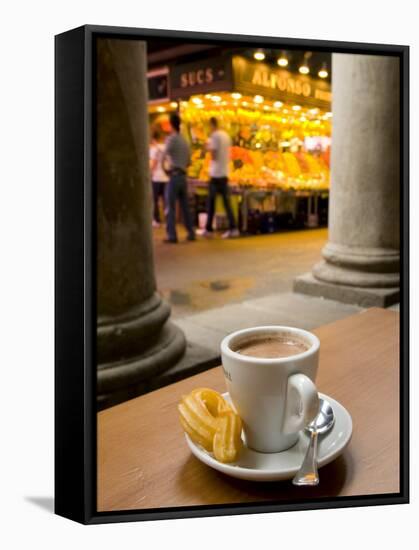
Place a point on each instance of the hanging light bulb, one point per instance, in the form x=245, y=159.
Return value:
x=259, y=55
x=282, y=60
x=323, y=71
x=304, y=68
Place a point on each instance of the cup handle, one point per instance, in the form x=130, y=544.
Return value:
x=302, y=403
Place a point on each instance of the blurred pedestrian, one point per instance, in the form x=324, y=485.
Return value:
x=177, y=152
x=219, y=146
x=159, y=177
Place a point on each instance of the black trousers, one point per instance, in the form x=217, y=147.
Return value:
x=220, y=186
x=158, y=191
x=177, y=190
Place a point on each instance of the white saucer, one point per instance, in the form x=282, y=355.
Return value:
x=255, y=466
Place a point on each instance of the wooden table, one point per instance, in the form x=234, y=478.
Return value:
x=144, y=462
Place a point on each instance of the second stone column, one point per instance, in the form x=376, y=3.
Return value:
x=361, y=260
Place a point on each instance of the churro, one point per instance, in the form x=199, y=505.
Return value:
x=210, y=422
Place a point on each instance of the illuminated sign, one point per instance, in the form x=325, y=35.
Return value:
x=200, y=77
x=279, y=84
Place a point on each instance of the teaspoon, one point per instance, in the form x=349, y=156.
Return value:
x=308, y=474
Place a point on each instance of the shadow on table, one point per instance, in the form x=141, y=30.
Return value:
x=223, y=489
x=46, y=503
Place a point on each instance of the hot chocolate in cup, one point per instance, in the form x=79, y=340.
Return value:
x=270, y=373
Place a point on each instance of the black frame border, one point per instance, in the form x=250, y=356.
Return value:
x=75, y=275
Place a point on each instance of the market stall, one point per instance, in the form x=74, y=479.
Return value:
x=280, y=126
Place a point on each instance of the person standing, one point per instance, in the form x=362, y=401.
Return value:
x=219, y=146
x=159, y=177
x=177, y=151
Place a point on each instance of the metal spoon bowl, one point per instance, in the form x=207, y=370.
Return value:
x=322, y=423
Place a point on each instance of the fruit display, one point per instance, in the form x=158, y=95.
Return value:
x=268, y=145
x=210, y=422
x=272, y=143
x=257, y=126
x=268, y=169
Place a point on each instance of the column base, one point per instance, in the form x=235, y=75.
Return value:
x=361, y=296
x=121, y=377
x=360, y=267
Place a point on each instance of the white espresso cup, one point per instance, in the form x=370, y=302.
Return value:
x=275, y=397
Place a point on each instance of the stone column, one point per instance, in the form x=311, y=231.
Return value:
x=361, y=260
x=135, y=340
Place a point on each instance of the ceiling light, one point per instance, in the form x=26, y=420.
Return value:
x=259, y=55
x=323, y=71
x=278, y=104
x=216, y=98
x=296, y=108
x=258, y=99
x=173, y=104
x=282, y=60
x=236, y=95
x=161, y=109
x=304, y=68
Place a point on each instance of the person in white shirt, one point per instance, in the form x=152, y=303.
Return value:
x=159, y=177
x=219, y=146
